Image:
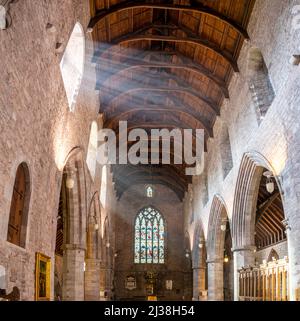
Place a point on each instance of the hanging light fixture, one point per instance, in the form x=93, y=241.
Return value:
x=270, y=185
x=149, y=188
x=187, y=253
x=70, y=183
x=226, y=258
x=224, y=225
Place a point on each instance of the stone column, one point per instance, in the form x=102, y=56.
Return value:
x=215, y=279
x=73, y=273
x=293, y=239
x=102, y=282
x=242, y=257
x=92, y=280
x=199, y=289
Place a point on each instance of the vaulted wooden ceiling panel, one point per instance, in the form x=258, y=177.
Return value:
x=154, y=57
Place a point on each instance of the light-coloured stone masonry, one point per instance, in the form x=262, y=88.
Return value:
x=277, y=137
x=37, y=127
x=166, y=201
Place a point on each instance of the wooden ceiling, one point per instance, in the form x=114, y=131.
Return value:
x=269, y=228
x=166, y=64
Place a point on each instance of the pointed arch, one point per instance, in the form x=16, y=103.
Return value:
x=19, y=208
x=199, y=265
x=93, y=253
x=218, y=237
x=273, y=255
x=74, y=216
x=199, y=246
x=215, y=238
x=245, y=198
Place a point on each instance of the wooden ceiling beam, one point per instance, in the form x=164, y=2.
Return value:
x=198, y=41
x=133, y=88
x=131, y=66
x=174, y=170
x=264, y=207
x=129, y=5
x=122, y=116
x=149, y=127
x=165, y=173
x=121, y=187
x=111, y=113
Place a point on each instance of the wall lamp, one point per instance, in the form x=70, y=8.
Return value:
x=270, y=185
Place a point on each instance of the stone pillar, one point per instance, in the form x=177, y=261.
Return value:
x=92, y=280
x=215, y=279
x=293, y=255
x=199, y=289
x=73, y=273
x=242, y=257
x=102, y=282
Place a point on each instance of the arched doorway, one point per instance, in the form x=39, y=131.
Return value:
x=199, y=266
x=71, y=232
x=219, y=262
x=259, y=228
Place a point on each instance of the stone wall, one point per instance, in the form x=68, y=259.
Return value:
x=280, y=248
x=37, y=126
x=166, y=201
x=276, y=137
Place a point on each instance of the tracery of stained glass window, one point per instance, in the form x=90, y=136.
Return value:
x=149, y=245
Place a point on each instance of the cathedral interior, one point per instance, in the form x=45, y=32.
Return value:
x=121, y=231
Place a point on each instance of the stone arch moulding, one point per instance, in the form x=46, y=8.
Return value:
x=74, y=167
x=72, y=64
x=218, y=212
x=216, y=245
x=199, y=237
x=187, y=241
x=94, y=226
x=105, y=227
x=199, y=264
x=93, y=253
x=74, y=177
x=245, y=198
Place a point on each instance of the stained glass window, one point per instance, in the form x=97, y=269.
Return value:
x=149, y=245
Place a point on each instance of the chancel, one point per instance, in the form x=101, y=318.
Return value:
x=101, y=102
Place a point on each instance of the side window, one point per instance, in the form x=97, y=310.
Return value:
x=18, y=216
x=260, y=85
x=72, y=65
